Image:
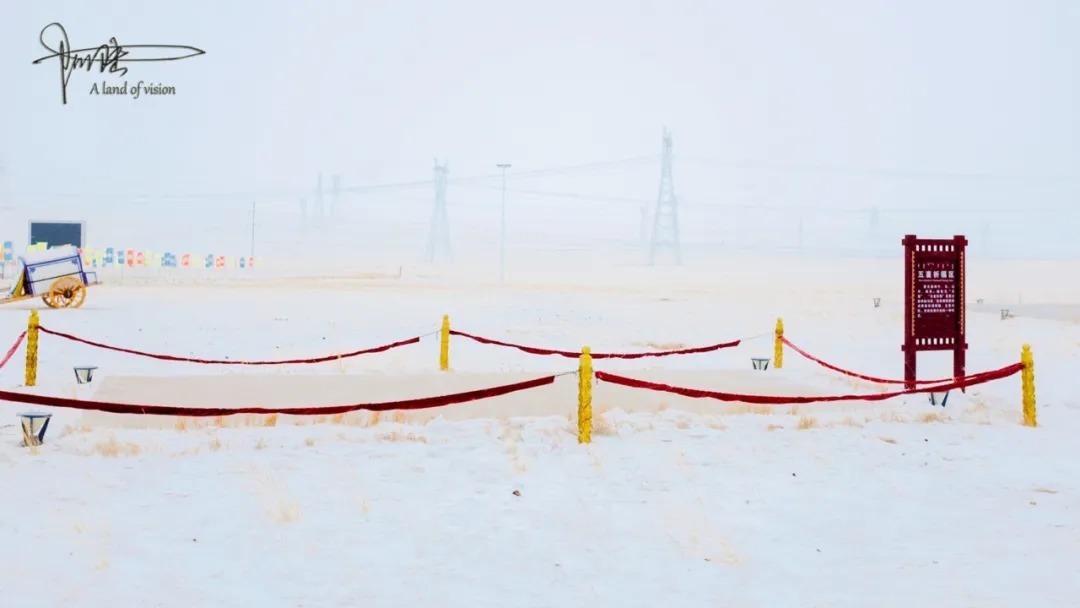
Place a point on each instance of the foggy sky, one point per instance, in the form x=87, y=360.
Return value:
x=376, y=90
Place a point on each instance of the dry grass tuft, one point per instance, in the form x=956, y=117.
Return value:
x=600, y=423
x=284, y=512
x=682, y=461
x=261, y=444
x=807, y=422
x=601, y=426
x=270, y=420
x=400, y=436
x=695, y=535
x=520, y=464
x=978, y=412
x=662, y=345
x=310, y=441
x=849, y=421
x=857, y=385
x=931, y=417
x=595, y=461
x=360, y=419
x=215, y=444
x=715, y=423
x=112, y=448
x=759, y=410
x=892, y=416
x=510, y=435
x=369, y=419
x=774, y=427
x=71, y=429
x=184, y=423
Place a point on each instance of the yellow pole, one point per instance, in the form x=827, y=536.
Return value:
x=32, y=349
x=1027, y=384
x=444, y=344
x=778, y=345
x=584, y=406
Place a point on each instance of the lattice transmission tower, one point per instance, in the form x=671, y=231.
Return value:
x=665, y=234
x=438, y=246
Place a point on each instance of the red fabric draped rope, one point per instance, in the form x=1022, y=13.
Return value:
x=971, y=380
x=325, y=410
x=852, y=374
x=11, y=351
x=162, y=357
x=533, y=350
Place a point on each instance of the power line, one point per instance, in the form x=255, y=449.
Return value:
x=897, y=173
x=572, y=195
x=293, y=194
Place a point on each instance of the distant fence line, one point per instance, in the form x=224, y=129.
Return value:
x=280, y=230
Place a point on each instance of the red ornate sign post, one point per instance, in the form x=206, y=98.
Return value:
x=933, y=301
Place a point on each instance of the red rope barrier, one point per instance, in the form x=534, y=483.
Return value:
x=203, y=412
x=11, y=351
x=971, y=380
x=355, y=353
x=533, y=350
x=841, y=370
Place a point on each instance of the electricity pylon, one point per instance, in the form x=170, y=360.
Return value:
x=439, y=238
x=666, y=219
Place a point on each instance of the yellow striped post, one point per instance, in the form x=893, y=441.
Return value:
x=584, y=408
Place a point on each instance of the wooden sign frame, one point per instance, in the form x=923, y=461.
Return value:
x=934, y=301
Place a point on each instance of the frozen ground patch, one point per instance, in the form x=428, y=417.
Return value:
x=668, y=509
x=677, y=502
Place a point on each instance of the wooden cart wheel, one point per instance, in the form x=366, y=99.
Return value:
x=66, y=292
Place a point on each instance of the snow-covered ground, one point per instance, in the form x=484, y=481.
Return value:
x=677, y=502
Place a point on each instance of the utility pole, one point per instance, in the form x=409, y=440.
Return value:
x=666, y=220
x=439, y=237
x=502, y=225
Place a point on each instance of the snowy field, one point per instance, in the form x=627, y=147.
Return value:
x=677, y=502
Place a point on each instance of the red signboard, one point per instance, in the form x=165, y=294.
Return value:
x=933, y=301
